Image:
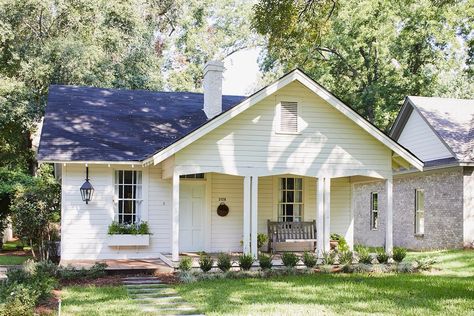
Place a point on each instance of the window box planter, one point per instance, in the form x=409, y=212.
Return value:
x=128, y=240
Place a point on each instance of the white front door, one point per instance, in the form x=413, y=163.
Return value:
x=191, y=216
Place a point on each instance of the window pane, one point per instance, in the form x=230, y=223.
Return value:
x=420, y=223
x=128, y=207
x=128, y=192
x=290, y=183
x=299, y=196
x=282, y=183
x=421, y=200
x=299, y=184
x=120, y=176
x=290, y=196
x=289, y=209
x=281, y=210
x=127, y=177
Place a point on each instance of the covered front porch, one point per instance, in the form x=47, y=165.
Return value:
x=218, y=212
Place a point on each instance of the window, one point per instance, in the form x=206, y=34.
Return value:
x=289, y=117
x=419, y=212
x=374, y=210
x=290, y=201
x=128, y=190
x=192, y=176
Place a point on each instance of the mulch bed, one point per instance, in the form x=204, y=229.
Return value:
x=49, y=307
x=109, y=280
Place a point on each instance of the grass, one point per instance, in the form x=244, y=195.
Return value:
x=93, y=300
x=6, y=260
x=449, y=291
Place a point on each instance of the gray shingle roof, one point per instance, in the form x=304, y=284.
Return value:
x=95, y=124
x=452, y=120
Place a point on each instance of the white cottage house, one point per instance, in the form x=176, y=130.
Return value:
x=291, y=152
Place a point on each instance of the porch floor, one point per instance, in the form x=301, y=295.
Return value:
x=122, y=264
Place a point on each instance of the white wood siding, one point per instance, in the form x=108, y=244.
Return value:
x=327, y=143
x=420, y=139
x=84, y=227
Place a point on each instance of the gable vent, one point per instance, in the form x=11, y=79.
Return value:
x=289, y=117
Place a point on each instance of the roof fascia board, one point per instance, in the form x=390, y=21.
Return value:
x=401, y=120
x=285, y=80
x=92, y=162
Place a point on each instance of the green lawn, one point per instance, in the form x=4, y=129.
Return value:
x=92, y=300
x=12, y=260
x=449, y=291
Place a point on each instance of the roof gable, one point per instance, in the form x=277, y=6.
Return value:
x=451, y=121
x=263, y=93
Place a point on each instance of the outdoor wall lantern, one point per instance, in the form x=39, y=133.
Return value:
x=87, y=190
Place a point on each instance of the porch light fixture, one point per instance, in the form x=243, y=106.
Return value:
x=87, y=190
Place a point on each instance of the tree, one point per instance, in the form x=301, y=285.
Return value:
x=95, y=43
x=205, y=30
x=9, y=181
x=35, y=207
x=370, y=53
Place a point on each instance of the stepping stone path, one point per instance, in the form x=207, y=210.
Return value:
x=156, y=298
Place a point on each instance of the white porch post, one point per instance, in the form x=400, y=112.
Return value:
x=320, y=217
x=247, y=206
x=175, y=219
x=327, y=213
x=389, y=219
x=254, y=210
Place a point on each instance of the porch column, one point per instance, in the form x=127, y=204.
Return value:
x=254, y=210
x=247, y=207
x=175, y=219
x=327, y=213
x=320, y=217
x=389, y=219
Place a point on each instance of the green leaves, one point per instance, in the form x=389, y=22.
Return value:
x=371, y=53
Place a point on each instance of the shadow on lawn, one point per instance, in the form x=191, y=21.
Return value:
x=341, y=294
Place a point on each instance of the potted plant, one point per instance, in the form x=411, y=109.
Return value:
x=121, y=234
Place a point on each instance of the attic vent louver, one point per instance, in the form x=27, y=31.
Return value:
x=289, y=117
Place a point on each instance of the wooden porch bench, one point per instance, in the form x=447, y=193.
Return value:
x=291, y=232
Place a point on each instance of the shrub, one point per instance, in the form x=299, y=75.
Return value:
x=309, y=259
x=290, y=260
x=342, y=243
x=205, y=262
x=325, y=268
x=20, y=302
x=116, y=228
x=382, y=256
x=246, y=261
x=265, y=262
x=399, y=254
x=406, y=267
x=424, y=264
x=346, y=258
x=97, y=270
x=364, y=255
x=186, y=276
x=329, y=257
x=185, y=264
x=224, y=262
x=262, y=239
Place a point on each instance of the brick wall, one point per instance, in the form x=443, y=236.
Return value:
x=443, y=210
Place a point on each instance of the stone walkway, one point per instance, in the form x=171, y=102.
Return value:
x=156, y=298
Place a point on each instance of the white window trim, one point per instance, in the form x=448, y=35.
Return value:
x=372, y=210
x=277, y=195
x=277, y=125
x=142, y=213
x=418, y=211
